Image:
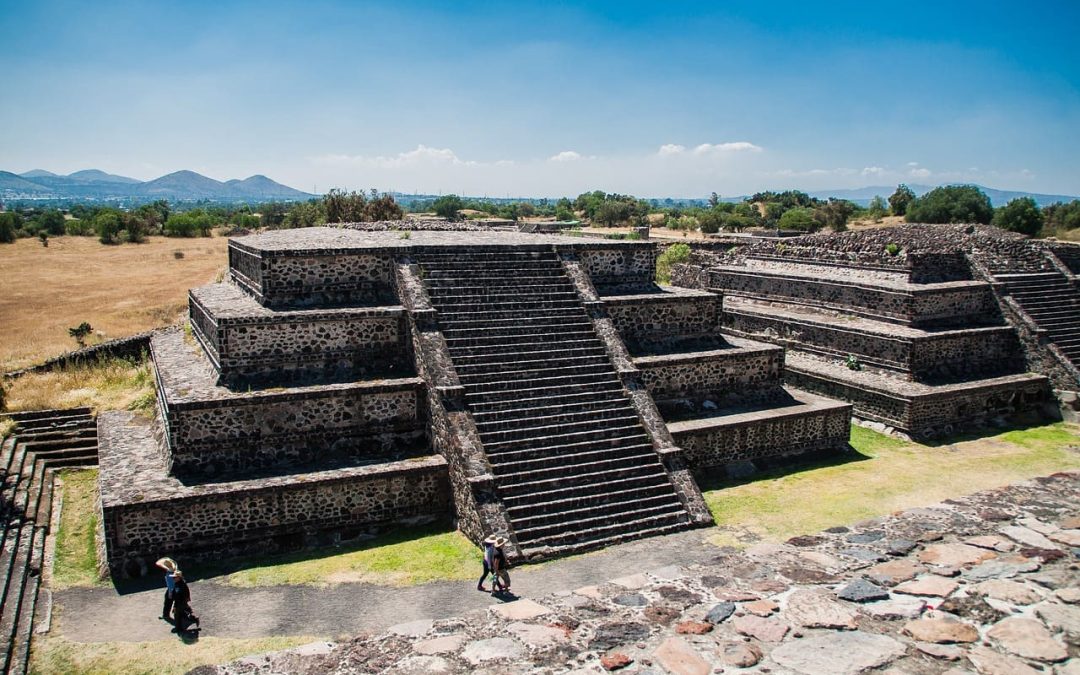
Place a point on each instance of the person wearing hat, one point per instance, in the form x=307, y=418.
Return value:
x=169, y=566
x=489, y=562
x=182, y=600
x=498, y=571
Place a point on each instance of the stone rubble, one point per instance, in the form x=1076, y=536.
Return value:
x=1008, y=613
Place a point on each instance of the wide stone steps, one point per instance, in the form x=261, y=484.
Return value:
x=572, y=462
x=42, y=442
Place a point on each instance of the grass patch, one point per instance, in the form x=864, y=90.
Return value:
x=75, y=561
x=893, y=475
x=54, y=654
x=104, y=384
x=405, y=557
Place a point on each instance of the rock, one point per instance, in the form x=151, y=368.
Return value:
x=865, y=537
x=991, y=542
x=633, y=581
x=1060, y=617
x=893, y=572
x=1069, y=595
x=719, y=613
x=1038, y=525
x=421, y=665
x=1004, y=568
x=591, y=592
x=808, y=575
x=735, y=595
x=1027, y=638
x=862, y=554
x=492, y=649
x=1070, y=523
x=412, y=628
x=948, y=572
x=838, y=653
x=768, y=586
x=611, y=635
x=903, y=607
x=1009, y=591
x=989, y=662
x=631, y=600
x=838, y=529
x=761, y=607
x=540, y=637
x=1070, y=667
x=739, y=654
x=679, y=596
x=667, y=573
x=972, y=608
x=943, y=652
x=862, y=590
x=1028, y=537
x=693, y=627
x=993, y=515
x=1070, y=538
x=899, y=546
x=932, y=586
x=806, y=540
x=662, y=614
x=816, y=609
x=439, y=645
x=941, y=631
x=766, y=630
x=823, y=560
x=950, y=555
x=679, y=658
x=615, y=660
x=520, y=610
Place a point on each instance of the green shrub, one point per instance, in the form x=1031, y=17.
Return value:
x=1020, y=215
x=675, y=254
x=892, y=249
x=8, y=226
x=799, y=218
x=78, y=228
x=951, y=204
x=107, y=225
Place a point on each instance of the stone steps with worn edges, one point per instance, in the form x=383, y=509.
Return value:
x=629, y=528
x=579, y=521
x=499, y=430
x=615, y=399
x=568, y=383
x=513, y=486
x=598, y=435
x=542, y=460
x=486, y=334
x=625, y=443
x=474, y=368
x=621, y=501
x=495, y=350
x=572, y=466
x=538, y=373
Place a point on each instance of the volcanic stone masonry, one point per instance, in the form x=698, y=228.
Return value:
x=925, y=329
x=342, y=381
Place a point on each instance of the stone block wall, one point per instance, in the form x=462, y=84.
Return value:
x=628, y=265
x=724, y=376
x=650, y=323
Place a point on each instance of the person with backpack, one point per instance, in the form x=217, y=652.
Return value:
x=500, y=578
x=182, y=601
x=169, y=566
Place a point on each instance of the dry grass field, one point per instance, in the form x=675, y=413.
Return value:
x=119, y=290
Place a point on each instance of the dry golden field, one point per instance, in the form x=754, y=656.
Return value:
x=119, y=290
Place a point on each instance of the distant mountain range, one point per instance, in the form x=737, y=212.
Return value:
x=997, y=197
x=95, y=185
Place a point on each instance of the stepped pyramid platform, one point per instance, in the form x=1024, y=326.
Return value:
x=342, y=381
x=916, y=335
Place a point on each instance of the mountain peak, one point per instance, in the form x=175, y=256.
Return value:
x=38, y=173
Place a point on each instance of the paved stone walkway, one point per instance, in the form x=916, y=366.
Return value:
x=986, y=584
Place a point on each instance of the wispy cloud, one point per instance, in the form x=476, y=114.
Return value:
x=420, y=156
x=566, y=156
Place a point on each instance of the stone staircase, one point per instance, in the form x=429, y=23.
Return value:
x=1053, y=302
x=572, y=462
x=42, y=442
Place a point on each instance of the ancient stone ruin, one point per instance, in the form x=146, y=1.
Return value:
x=540, y=386
x=925, y=329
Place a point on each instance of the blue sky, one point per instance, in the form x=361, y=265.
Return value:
x=655, y=99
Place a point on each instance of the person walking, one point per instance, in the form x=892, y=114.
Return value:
x=182, y=600
x=500, y=575
x=489, y=562
x=169, y=566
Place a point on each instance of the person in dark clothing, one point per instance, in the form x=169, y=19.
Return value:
x=169, y=566
x=182, y=600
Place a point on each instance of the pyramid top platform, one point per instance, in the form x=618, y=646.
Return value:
x=335, y=240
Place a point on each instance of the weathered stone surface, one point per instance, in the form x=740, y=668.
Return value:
x=902, y=607
x=862, y=590
x=679, y=658
x=1060, y=617
x=944, y=652
x=766, y=630
x=693, y=627
x=1003, y=568
x=838, y=653
x=492, y=649
x=735, y=595
x=720, y=612
x=540, y=637
x=949, y=555
x=1028, y=537
x=1070, y=538
x=439, y=645
x=816, y=609
x=1027, y=638
x=662, y=614
x=899, y=546
x=615, y=661
x=893, y=572
x=631, y=600
x=930, y=585
x=1069, y=595
x=412, y=628
x=633, y=581
x=739, y=654
x=941, y=631
x=421, y=665
x=1009, y=591
x=520, y=610
x=991, y=542
x=990, y=662
x=761, y=607
x=611, y=635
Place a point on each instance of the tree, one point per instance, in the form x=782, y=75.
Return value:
x=564, y=210
x=107, y=225
x=345, y=207
x=8, y=227
x=1020, y=215
x=526, y=209
x=834, y=214
x=383, y=207
x=51, y=222
x=711, y=221
x=80, y=332
x=1058, y=217
x=901, y=199
x=951, y=204
x=448, y=206
x=714, y=200
x=876, y=209
x=799, y=218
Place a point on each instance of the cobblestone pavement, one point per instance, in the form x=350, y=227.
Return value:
x=986, y=584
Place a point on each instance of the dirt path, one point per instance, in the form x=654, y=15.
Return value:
x=103, y=615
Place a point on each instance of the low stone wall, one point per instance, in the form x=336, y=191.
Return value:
x=627, y=265
x=651, y=322
x=297, y=346
x=954, y=303
x=146, y=514
x=717, y=442
x=723, y=376
x=130, y=347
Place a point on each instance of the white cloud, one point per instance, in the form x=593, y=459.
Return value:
x=875, y=171
x=734, y=146
x=671, y=149
x=920, y=173
x=913, y=164
x=420, y=156
x=566, y=156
